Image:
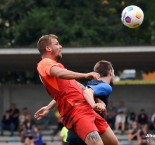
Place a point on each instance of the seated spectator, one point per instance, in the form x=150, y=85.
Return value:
x=142, y=117
x=142, y=133
x=131, y=118
x=120, y=122
x=63, y=135
x=37, y=137
x=28, y=134
x=22, y=120
x=22, y=116
x=133, y=132
x=111, y=115
x=28, y=129
x=152, y=124
x=152, y=127
x=15, y=115
x=123, y=108
x=7, y=123
x=153, y=117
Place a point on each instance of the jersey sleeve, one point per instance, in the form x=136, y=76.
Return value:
x=50, y=64
x=101, y=89
x=45, y=65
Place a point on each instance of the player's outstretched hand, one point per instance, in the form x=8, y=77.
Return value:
x=42, y=112
x=100, y=107
x=93, y=75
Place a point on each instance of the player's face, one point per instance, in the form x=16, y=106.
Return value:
x=56, y=48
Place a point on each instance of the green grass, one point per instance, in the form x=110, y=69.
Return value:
x=135, y=82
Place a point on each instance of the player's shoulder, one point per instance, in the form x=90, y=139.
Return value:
x=94, y=82
x=98, y=83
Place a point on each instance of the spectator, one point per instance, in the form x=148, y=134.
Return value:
x=22, y=116
x=142, y=117
x=15, y=115
x=28, y=134
x=152, y=124
x=120, y=122
x=22, y=120
x=133, y=132
x=63, y=135
x=153, y=117
x=152, y=127
x=142, y=133
x=37, y=137
x=28, y=129
x=111, y=114
x=131, y=118
x=7, y=123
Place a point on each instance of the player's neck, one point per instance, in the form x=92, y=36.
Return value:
x=52, y=57
x=105, y=79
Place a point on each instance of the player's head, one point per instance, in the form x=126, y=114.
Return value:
x=104, y=68
x=49, y=44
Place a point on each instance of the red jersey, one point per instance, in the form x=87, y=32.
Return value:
x=65, y=92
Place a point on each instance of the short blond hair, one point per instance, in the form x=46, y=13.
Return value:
x=44, y=41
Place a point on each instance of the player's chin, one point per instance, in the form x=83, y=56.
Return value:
x=59, y=56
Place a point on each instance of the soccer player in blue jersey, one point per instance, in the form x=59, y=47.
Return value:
x=97, y=91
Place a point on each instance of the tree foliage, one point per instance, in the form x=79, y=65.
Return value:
x=77, y=23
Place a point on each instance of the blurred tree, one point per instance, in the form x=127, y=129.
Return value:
x=77, y=23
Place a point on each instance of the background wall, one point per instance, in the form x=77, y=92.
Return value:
x=35, y=96
x=135, y=97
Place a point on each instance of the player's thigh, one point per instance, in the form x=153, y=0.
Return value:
x=109, y=138
x=93, y=138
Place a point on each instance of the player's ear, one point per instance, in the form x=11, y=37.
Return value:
x=111, y=72
x=47, y=48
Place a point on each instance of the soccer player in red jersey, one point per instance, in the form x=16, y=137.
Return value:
x=61, y=85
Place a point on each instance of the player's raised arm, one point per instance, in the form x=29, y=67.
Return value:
x=67, y=74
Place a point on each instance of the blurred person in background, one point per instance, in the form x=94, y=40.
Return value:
x=22, y=120
x=15, y=115
x=63, y=135
x=142, y=135
x=37, y=136
x=133, y=132
x=142, y=117
x=7, y=123
x=111, y=115
x=131, y=118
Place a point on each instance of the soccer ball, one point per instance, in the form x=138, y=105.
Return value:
x=132, y=16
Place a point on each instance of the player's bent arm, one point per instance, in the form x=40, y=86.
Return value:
x=100, y=105
x=97, y=100
x=89, y=96
x=67, y=74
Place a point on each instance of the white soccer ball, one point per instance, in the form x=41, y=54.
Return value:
x=132, y=16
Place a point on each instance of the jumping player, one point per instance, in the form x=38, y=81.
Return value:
x=77, y=114
x=98, y=90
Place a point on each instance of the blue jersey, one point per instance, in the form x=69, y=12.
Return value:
x=101, y=90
